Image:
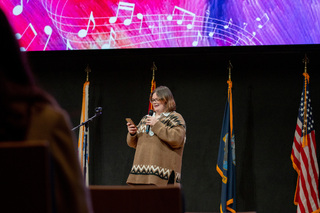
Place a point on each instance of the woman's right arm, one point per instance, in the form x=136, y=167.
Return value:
x=132, y=135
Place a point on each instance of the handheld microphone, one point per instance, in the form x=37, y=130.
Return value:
x=148, y=126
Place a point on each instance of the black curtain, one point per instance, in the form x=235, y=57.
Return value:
x=267, y=84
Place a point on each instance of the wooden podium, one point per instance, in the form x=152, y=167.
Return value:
x=137, y=199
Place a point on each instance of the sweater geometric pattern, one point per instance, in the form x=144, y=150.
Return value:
x=162, y=173
x=170, y=121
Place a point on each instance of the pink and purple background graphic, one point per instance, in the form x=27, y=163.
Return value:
x=112, y=24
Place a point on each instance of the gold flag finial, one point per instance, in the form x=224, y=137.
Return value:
x=305, y=61
x=230, y=68
x=153, y=68
x=87, y=70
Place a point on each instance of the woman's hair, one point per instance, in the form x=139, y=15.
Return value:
x=18, y=91
x=164, y=94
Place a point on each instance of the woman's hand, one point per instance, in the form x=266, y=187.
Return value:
x=132, y=129
x=151, y=120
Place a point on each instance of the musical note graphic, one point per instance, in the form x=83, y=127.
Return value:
x=20, y=36
x=181, y=27
x=83, y=32
x=48, y=31
x=17, y=10
x=253, y=35
x=245, y=25
x=112, y=38
x=123, y=6
x=262, y=21
x=228, y=25
x=180, y=21
x=196, y=42
x=207, y=20
x=140, y=17
x=69, y=47
x=213, y=31
x=207, y=15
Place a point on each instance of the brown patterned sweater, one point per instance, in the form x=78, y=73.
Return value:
x=158, y=153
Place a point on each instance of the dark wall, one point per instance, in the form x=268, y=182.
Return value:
x=267, y=84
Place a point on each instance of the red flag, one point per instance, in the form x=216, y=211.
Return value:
x=304, y=157
x=153, y=84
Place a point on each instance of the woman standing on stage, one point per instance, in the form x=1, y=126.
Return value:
x=158, y=156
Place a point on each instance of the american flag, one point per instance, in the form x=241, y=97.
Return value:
x=304, y=157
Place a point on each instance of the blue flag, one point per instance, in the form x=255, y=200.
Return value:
x=226, y=165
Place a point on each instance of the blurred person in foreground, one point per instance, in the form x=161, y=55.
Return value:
x=158, y=155
x=29, y=113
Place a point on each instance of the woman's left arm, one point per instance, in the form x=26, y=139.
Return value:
x=174, y=136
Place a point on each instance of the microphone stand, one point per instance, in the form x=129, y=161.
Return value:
x=85, y=137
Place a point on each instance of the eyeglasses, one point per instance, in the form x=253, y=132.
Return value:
x=155, y=100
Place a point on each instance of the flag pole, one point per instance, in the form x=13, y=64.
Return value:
x=230, y=68
x=87, y=70
x=153, y=68
x=305, y=60
x=305, y=120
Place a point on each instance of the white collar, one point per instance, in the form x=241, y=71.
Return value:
x=164, y=113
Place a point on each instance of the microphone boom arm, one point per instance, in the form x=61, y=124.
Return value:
x=98, y=113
